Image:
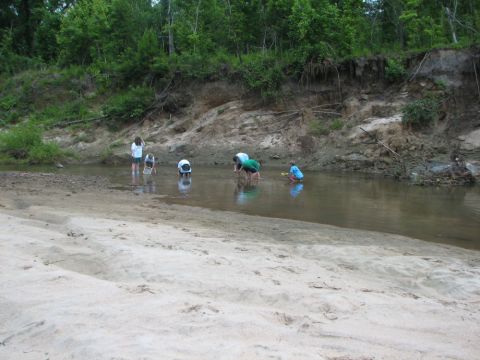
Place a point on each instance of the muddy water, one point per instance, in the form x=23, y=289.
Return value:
x=446, y=215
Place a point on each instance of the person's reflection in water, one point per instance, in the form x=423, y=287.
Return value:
x=184, y=185
x=149, y=184
x=136, y=186
x=245, y=191
x=295, y=189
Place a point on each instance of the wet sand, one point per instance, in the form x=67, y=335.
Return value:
x=89, y=272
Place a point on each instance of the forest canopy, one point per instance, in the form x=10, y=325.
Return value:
x=137, y=39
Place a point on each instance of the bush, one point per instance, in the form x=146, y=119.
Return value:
x=420, y=113
x=18, y=141
x=394, y=70
x=24, y=143
x=263, y=74
x=129, y=105
x=45, y=153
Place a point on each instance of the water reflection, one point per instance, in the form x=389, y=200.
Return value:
x=184, y=185
x=296, y=189
x=144, y=184
x=245, y=191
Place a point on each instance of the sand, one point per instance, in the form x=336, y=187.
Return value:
x=89, y=272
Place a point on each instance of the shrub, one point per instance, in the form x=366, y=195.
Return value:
x=24, y=143
x=337, y=124
x=45, y=153
x=318, y=129
x=130, y=104
x=394, y=71
x=18, y=141
x=264, y=75
x=420, y=113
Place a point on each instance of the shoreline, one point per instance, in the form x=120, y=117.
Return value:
x=91, y=272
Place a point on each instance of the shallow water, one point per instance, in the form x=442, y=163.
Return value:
x=445, y=215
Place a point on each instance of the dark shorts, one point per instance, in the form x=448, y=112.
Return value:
x=238, y=166
x=251, y=170
x=136, y=160
x=149, y=164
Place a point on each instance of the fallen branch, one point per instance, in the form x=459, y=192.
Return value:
x=327, y=112
x=279, y=112
x=419, y=66
x=63, y=124
x=381, y=143
x=326, y=105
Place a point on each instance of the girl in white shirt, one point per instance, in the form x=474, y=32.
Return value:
x=137, y=150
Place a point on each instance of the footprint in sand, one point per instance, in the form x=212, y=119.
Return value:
x=200, y=308
x=283, y=318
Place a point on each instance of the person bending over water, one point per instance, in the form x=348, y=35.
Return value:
x=294, y=174
x=252, y=169
x=149, y=165
x=238, y=160
x=137, y=150
x=184, y=168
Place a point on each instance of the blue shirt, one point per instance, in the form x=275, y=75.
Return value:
x=295, y=171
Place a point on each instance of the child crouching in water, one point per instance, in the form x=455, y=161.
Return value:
x=294, y=174
x=149, y=165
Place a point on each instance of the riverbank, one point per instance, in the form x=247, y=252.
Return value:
x=90, y=272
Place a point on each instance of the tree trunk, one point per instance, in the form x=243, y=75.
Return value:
x=171, y=45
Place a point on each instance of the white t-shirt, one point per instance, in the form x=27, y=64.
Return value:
x=181, y=163
x=137, y=150
x=242, y=157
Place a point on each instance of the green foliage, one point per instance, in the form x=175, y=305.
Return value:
x=420, y=113
x=317, y=128
x=394, y=71
x=45, y=153
x=8, y=102
x=56, y=114
x=440, y=84
x=336, y=124
x=129, y=105
x=10, y=61
x=263, y=75
x=24, y=143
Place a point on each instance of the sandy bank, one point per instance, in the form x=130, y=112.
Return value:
x=88, y=272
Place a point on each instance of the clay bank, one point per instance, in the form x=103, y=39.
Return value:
x=345, y=116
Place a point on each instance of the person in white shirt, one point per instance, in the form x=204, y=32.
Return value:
x=184, y=168
x=238, y=160
x=137, y=150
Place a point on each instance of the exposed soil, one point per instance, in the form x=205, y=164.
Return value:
x=317, y=122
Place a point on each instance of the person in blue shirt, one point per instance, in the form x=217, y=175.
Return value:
x=295, y=174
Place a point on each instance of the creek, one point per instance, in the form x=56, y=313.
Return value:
x=439, y=214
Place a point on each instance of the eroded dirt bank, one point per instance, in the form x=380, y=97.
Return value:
x=88, y=272
x=317, y=120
